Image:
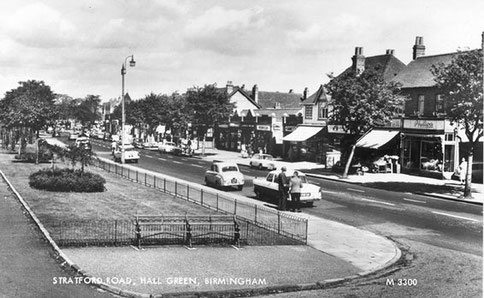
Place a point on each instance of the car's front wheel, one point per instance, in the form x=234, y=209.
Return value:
x=240, y=187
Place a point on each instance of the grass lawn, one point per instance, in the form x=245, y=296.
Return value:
x=122, y=200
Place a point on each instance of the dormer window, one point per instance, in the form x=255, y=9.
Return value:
x=323, y=110
x=439, y=104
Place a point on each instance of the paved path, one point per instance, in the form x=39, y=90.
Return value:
x=27, y=268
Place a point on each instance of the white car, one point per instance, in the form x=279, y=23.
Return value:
x=268, y=187
x=167, y=147
x=73, y=136
x=130, y=154
x=261, y=161
x=224, y=174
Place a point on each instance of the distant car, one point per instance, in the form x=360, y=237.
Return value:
x=130, y=154
x=261, y=161
x=224, y=174
x=73, y=136
x=138, y=143
x=84, y=142
x=268, y=187
x=150, y=145
x=167, y=147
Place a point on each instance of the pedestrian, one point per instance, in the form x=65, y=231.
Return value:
x=113, y=147
x=463, y=171
x=283, y=183
x=295, y=186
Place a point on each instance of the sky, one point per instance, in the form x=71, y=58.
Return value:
x=77, y=47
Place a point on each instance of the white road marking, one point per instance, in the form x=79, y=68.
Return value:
x=358, y=190
x=378, y=202
x=161, y=158
x=455, y=216
x=199, y=166
x=415, y=201
x=178, y=162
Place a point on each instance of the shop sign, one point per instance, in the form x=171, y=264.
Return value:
x=247, y=125
x=424, y=124
x=233, y=125
x=223, y=125
x=336, y=129
x=264, y=127
x=276, y=126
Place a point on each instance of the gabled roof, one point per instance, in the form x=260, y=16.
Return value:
x=269, y=100
x=318, y=96
x=391, y=66
x=278, y=113
x=418, y=72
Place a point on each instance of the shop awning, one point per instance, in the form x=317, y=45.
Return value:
x=374, y=139
x=302, y=133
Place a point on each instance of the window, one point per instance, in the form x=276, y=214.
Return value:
x=439, y=104
x=421, y=104
x=323, y=111
x=308, y=112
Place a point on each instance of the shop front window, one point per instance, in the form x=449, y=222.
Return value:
x=431, y=156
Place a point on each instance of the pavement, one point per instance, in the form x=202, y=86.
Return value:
x=336, y=252
x=439, y=188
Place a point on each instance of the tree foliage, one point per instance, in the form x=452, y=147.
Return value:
x=461, y=83
x=87, y=112
x=29, y=105
x=364, y=101
x=208, y=106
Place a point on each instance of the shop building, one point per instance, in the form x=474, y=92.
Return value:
x=429, y=142
x=258, y=119
x=318, y=140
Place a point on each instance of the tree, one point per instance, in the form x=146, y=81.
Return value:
x=28, y=108
x=75, y=154
x=88, y=110
x=208, y=106
x=361, y=102
x=461, y=82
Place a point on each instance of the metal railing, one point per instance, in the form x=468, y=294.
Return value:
x=284, y=224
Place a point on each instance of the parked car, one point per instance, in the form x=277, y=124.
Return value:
x=150, y=145
x=224, y=174
x=261, y=161
x=130, y=154
x=269, y=188
x=138, y=143
x=167, y=147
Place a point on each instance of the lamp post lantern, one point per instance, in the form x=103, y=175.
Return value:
x=132, y=63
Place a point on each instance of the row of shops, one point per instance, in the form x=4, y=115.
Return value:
x=428, y=147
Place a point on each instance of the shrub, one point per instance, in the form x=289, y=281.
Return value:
x=66, y=180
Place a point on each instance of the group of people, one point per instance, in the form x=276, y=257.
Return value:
x=293, y=186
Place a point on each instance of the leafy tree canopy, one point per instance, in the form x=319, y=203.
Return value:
x=461, y=84
x=29, y=105
x=209, y=106
x=363, y=101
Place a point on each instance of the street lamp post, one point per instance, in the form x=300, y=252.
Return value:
x=132, y=63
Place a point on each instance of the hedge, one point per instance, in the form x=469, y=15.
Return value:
x=66, y=180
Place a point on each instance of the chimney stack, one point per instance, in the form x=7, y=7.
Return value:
x=290, y=90
x=390, y=52
x=358, y=61
x=305, y=93
x=255, y=93
x=418, y=48
x=229, y=87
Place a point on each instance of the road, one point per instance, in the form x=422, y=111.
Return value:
x=441, y=240
x=448, y=224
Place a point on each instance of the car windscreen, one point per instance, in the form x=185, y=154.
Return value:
x=229, y=169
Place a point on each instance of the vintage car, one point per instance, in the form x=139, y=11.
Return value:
x=268, y=187
x=73, y=136
x=84, y=142
x=151, y=145
x=224, y=174
x=130, y=153
x=261, y=161
x=167, y=147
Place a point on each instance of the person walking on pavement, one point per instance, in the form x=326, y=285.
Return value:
x=463, y=171
x=283, y=183
x=295, y=186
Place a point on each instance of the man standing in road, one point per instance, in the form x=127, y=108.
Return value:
x=295, y=186
x=283, y=189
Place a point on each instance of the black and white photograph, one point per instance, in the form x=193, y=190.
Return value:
x=259, y=148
